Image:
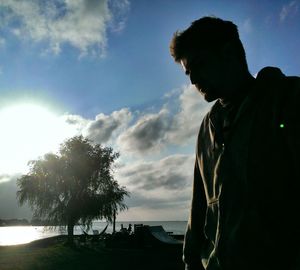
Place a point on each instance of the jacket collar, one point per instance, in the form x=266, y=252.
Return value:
x=266, y=78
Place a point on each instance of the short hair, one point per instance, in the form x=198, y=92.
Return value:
x=209, y=33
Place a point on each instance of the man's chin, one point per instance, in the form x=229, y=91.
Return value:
x=208, y=97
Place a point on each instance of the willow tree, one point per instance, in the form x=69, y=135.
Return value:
x=75, y=185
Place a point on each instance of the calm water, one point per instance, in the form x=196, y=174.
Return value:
x=24, y=234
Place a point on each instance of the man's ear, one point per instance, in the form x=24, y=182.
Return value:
x=228, y=51
x=229, y=54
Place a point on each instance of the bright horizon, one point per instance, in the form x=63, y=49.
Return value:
x=102, y=69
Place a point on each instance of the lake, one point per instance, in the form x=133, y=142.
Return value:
x=15, y=235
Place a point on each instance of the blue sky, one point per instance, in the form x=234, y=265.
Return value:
x=102, y=68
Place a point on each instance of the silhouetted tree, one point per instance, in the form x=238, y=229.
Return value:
x=77, y=184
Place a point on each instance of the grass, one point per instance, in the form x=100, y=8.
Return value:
x=55, y=254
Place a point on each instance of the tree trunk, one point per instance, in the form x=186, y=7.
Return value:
x=114, y=222
x=70, y=232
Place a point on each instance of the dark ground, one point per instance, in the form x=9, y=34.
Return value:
x=53, y=253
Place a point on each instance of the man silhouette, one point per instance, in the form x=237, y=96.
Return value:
x=246, y=179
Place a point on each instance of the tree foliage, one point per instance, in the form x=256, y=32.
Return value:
x=77, y=184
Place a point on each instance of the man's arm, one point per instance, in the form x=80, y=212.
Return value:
x=194, y=238
x=292, y=118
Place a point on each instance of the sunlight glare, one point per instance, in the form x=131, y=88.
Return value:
x=15, y=235
x=28, y=131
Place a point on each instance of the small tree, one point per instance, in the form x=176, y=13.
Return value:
x=75, y=185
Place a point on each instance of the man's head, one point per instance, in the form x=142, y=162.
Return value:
x=212, y=55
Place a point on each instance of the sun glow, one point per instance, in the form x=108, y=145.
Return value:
x=27, y=132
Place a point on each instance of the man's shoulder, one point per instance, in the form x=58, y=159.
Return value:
x=272, y=81
x=269, y=73
x=273, y=76
x=278, y=92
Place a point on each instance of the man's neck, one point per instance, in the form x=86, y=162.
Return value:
x=241, y=91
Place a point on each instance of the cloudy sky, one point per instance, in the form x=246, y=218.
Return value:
x=102, y=68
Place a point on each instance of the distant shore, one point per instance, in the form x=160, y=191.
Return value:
x=25, y=222
x=14, y=222
x=53, y=253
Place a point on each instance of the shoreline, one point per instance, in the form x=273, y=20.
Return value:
x=38, y=242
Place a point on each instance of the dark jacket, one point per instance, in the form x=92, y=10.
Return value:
x=245, y=212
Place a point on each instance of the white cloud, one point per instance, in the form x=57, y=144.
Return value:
x=2, y=42
x=163, y=185
x=77, y=121
x=187, y=121
x=102, y=128
x=147, y=134
x=247, y=26
x=289, y=10
x=80, y=23
x=154, y=132
x=120, y=11
x=172, y=212
x=170, y=173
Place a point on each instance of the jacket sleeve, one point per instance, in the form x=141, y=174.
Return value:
x=194, y=238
